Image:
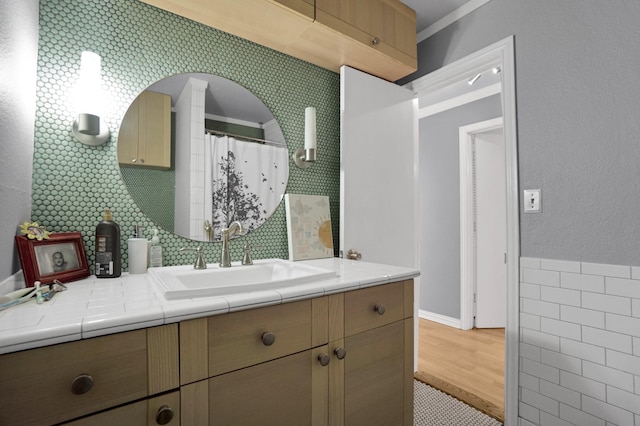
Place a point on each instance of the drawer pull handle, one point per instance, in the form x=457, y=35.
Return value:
x=375, y=41
x=268, y=338
x=81, y=384
x=340, y=353
x=324, y=359
x=164, y=415
x=379, y=309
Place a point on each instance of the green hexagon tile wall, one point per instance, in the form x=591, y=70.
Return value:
x=140, y=44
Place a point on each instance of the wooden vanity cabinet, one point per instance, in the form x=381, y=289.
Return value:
x=144, y=139
x=374, y=36
x=340, y=359
x=58, y=383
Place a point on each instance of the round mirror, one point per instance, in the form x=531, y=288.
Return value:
x=198, y=151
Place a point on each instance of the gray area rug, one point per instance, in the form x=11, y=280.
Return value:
x=432, y=407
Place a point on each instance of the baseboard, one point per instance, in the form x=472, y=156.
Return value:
x=441, y=319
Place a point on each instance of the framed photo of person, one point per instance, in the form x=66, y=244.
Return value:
x=59, y=257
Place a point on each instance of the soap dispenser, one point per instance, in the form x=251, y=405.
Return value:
x=137, y=248
x=108, y=256
x=155, y=250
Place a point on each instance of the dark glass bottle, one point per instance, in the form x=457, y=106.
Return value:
x=108, y=256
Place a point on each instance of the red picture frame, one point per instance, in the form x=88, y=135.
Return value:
x=60, y=257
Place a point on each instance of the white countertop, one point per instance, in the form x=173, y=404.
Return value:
x=98, y=306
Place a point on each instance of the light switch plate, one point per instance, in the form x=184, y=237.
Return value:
x=532, y=201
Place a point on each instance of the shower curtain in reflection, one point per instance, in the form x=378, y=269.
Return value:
x=245, y=181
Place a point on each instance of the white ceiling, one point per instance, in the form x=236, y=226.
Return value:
x=430, y=11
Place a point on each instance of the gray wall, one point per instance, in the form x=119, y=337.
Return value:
x=440, y=203
x=578, y=102
x=18, y=55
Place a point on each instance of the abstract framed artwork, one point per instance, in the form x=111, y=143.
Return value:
x=308, y=226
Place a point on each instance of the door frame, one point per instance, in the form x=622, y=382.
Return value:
x=500, y=54
x=467, y=248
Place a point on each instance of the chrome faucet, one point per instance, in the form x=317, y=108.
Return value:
x=234, y=229
x=199, y=263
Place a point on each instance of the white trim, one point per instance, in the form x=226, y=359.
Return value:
x=467, y=249
x=233, y=121
x=472, y=64
x=498, y=54
x=476, y=95
x=449, y=19
x=440, y=319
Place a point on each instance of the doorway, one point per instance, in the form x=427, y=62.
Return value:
x=498, y=56
x=483, y=225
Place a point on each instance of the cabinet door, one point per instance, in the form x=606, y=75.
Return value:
x=128, y=136
x=144, y=139
x=385, y=25
x=154, y=142
x=161, y=410
x=291, y=390
x=374, y=381
x=132, y=414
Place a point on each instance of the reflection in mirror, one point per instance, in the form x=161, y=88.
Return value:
x=198, y=151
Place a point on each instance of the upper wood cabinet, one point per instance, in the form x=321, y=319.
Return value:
x=374, y=36
x=381, y=23
x=271, y=23
x=144, y=139
x=372, y=29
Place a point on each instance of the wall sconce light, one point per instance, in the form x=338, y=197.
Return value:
x=305, y=157
x=474, y=79
x=88, y=127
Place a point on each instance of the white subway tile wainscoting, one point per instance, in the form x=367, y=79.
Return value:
x=579, y=343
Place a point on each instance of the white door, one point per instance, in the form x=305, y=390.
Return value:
x=491, y=229
x=378, y=169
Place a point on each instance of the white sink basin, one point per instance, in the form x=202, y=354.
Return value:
x=184, y=282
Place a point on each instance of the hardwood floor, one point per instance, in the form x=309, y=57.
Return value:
x=467, y=364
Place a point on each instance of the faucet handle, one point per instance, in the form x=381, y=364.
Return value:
x=246, y=259
x=199, y=263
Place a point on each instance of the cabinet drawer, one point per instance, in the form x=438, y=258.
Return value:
x=57, y=383
x=373, y=307
x=163, y=409
x=241, y=339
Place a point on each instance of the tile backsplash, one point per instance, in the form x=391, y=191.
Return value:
x=579, y=343
x=140, y=44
